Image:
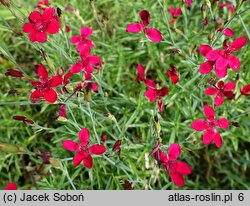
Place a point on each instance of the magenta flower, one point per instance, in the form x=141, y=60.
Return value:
x=189, y=3
x=44, y=87
x=87, y=64
x=220, y=91
x=210, y=134
x=176, y=169
x=224, y=58
x=245, y=90
x=153, y=93
x=174, y=13
x=153, y=34
x=82, y=41
x=83, y=151
x=41, y=24
x=11, y=186
x=229, y=5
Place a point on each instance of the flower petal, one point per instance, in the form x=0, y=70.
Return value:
x=32, y=36
x=34, y=16
x=28, y=27
x=208, y=136
x=219, y=99
x=234, y=63
x=56, y=81
x=221, y=73
x=229, y=86
x=70, y=145
x=50, y=96
x=204, y=49
x=178, y=179
x=206, y=67
x=42, y=71
x=145, y=17
x=209, y=112
x=212, y=55
x=35, y=96
x=83, y=136
x=86, y=32
x=53, y=26
x=76, y=68
x=151, y=94
x=11, y=186
x=41, y=37
x=48, y=14
x=88, y=162
x=78, y=158
x=97, y=149
x=199, y=125
x=183, y=168
x=228, y=32
x=174, y=151
x=210, y=91
x=222, y=123
x=217, y=140
x=239, y=43
x=75, y=39
x=153, y=34
x=134, y=27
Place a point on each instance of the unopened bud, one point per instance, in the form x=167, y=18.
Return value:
x=157, y=124
x=110, y=116
x=10, y=148
x=14, y=73
x=56, y=163
x=47, y=59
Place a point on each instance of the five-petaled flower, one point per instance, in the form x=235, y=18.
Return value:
x=41, y=24
x=82, y=41
x=210, y=134
x=87, y=63
x=220, y=91
x=153, y=34
x=83, y=151
x=176, y=169
x=44, y=87
x=221, y=59
x=173, y=75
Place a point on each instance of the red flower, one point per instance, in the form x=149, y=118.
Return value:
x=44, y=87
x=82, y=41
x=153, y=93
x=40, y=24
x=14, y=73
x=245, y=90
x=23, y=119
x=83, y=151
x=173, y=75
x=210, y=135
x=11, y=186
x=174, y=13
x=153, y=34
x=43, y=5
x=176, y=169
x=189, y=3
x=220, y=91
x=87, y=63
x=141, y=76
x=224, y=58
x=229, y=5
x=227, y=31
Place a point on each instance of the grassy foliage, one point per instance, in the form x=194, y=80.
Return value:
x=120, y=95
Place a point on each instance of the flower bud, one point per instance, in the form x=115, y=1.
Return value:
x=10, y=148
x=14, y=73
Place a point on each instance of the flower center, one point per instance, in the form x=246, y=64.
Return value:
x=171, y=167
x=41, y=26
x=212, y=124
